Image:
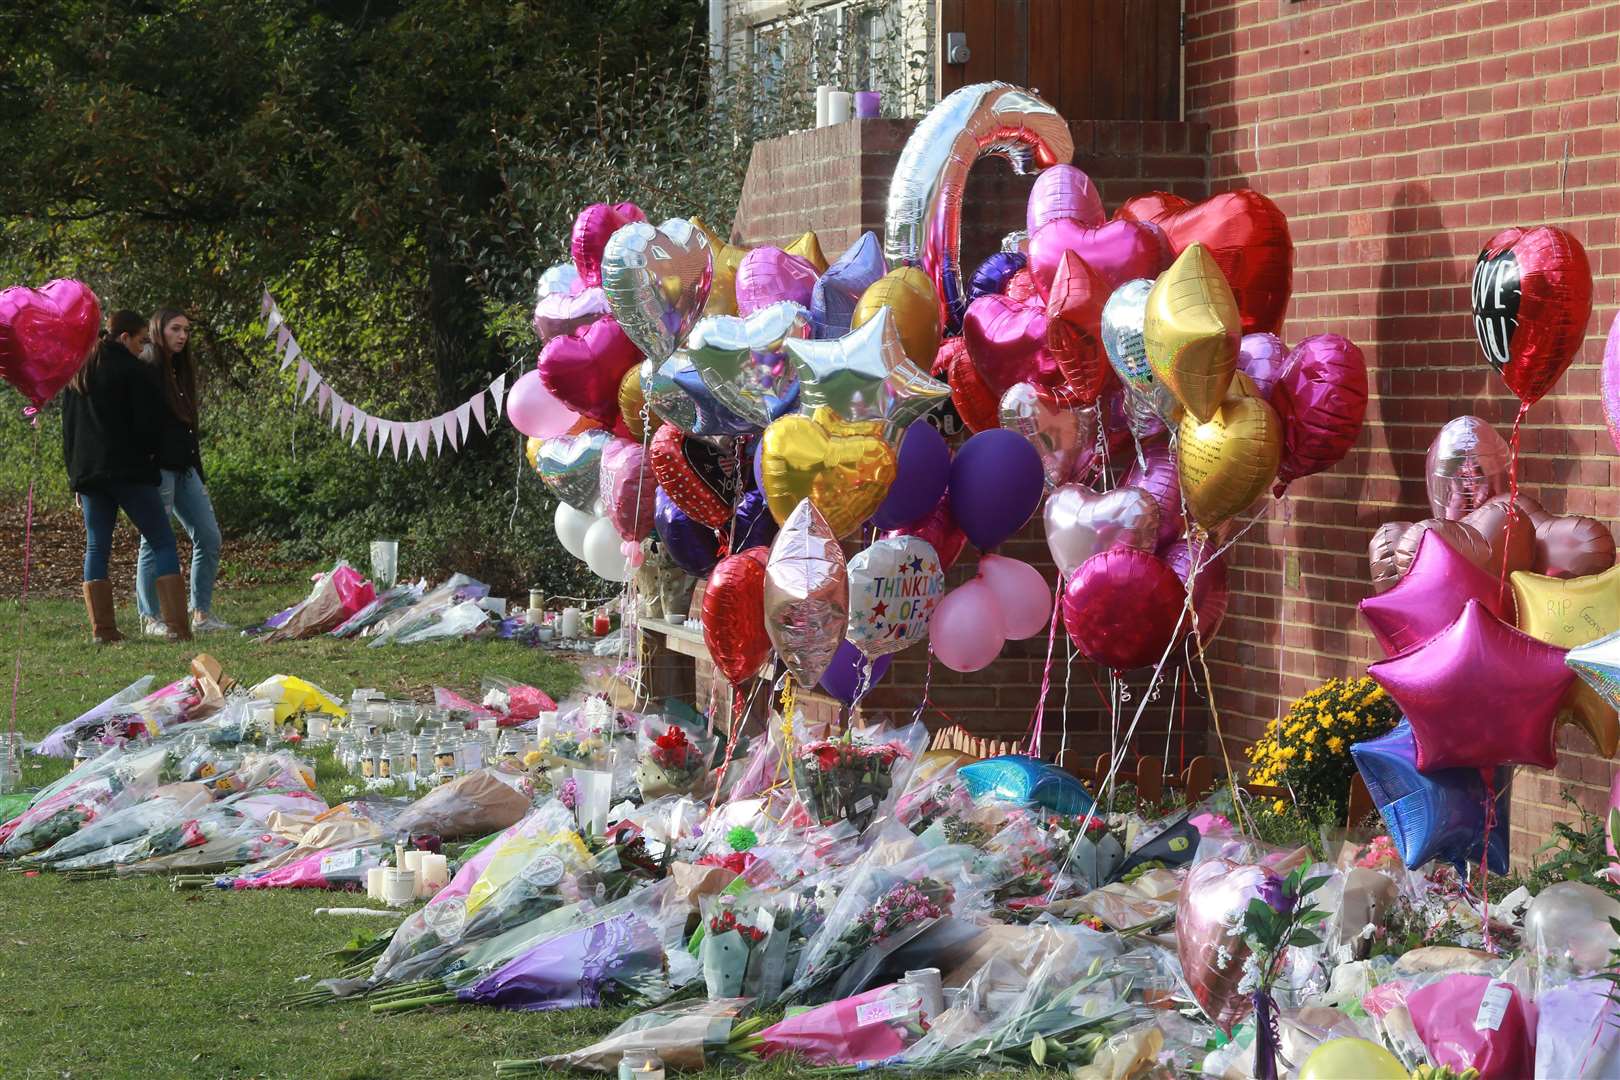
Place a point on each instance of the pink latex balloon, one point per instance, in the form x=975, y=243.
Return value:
x=1321, y=400
x=1063, y=192
x=535, y=411
x=1081, y=522
x=1007, y=342
x=1118, y=251
x=583, y=369
x=1024, y=596
x=1210, y=592
x=628, y=489
x=1162, y=480
x=1209, y=935
x=1611, y=381
x=767, y=275
x=1121, y=609
x=1262, y=357
x=1430, y=596
x=968, y=630
x=45, y=335
x=939, y=528
x=1479, y=694
x=592, y=228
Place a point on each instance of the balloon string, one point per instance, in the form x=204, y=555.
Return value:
x=1039, y=723
x=788, y=703
x=1068, y=675
x=1513, y=502
x=28, y=554
x=863, y=683
x=928, y=683
x=740, y=707
x=1485, y=849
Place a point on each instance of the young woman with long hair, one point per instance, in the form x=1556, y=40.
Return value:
x=184, y=492
x=110, y=430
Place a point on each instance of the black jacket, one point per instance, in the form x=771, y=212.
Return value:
x=177, y=441
x=110, y=435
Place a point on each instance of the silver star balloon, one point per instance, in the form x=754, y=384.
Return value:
x=865, y=375
x=735, y=358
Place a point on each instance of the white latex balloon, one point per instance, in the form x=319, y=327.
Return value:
x=572, y=525
x=603, y=554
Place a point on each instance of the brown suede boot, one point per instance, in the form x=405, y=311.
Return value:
x=171, y=590
x=98, y=601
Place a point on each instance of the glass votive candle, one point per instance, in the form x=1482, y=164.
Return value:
x=868, y=104
x=641, y=1065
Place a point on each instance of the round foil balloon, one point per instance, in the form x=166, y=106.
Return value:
x=700, y=477
x=571, y=466
x=1320, y=400
x=45, y=335
x=734, y=615
x=1210, y=592
x=1209, y=935
x=628, y=488
x=1228, y=461
x=583, y=368
x=844, y=468
x=806, y=593
x=894, y=587
x=656, y=281
x=1532, y=297
x=923, y=224
x=909, y=296
x=1191, y=330
x=594, y=226
x=1059, y=434
x=1080, y=523
x=939, y=528
x=1573, y=546
x=1122, y=608
x=1467, y=466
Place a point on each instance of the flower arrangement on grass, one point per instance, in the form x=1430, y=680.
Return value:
x=1307, y=751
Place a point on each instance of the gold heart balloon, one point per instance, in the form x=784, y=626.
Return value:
x=909, y=296
x=1191, y=331
x=808, y=248
x=1568, y=613
x=631, y=403
x=1229, y=461
x=843, y=468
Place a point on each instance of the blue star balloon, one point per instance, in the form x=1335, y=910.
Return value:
x=1020, y=779
x=833, y=300
x=1435, y=815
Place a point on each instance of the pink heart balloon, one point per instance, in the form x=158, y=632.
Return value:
x=767, y=275
x=1209, y=935
x=1063, y=192
x=1161, y=480
x=1080, y=523
x=592, y=229
x=45, y=334
x=583, y=369
x=1263, y=358
x=1059, y=434
x=627, y=489
x=1006, y=341
x=1118, y=254
x=559, y=314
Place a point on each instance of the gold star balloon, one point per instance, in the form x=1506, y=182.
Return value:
x=723, y=290
x=808, y=248
x=1191, y=330
x=865, y=375
x=1571, y=613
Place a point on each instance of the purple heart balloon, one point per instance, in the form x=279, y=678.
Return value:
x=769, y=274
x=838, y=291
x=1119, y=251
x=1263, y=358
x=1063, y=192
x=994, y=273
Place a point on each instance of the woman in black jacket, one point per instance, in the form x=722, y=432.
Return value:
x=112, y=413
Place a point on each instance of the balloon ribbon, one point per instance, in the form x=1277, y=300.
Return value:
x=28, y=554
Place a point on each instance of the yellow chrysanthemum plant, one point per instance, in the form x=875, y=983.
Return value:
x=1307, y=751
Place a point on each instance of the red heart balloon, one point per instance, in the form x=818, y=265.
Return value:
x=939, y=528
x=1532, y=297
x=583, y=368
x=1007, y=341
x=973, y=401
x=1248, y=236
x=1074, y=328
x=592, y=228
x=695, y=474
x=45, y=334
x=734, y=615
x=1118, y=251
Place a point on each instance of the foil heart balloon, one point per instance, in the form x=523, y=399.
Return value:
x=45, y=335
x=1210, y=592
x=1190, y=332
x=1156, y=472
x=633, y=409
x=628, y=488
x=734, y=615
x=583, y=368
x=1509, y=539
x=1074, y=328
x=741, y=359
x=768, y=275
x=571, y=466
x=1573, y=546
x=909, y=296
x=1057, y=433
x=1532, y=298
x=1117, y=251
x=1063, y=192
x=1007, y=341
x=844, y=468
x=1229, y=461
x=1147, y=403
x=1467, y=466
x=594, y=226
x=1321, y=401
x=1245, y=233
x=698, y=476
x=656, y=281
x=972, y=398
x=806, y=593
x=1209, y=934
x=1080, y=523
x=562, y=302
x=1123, y=608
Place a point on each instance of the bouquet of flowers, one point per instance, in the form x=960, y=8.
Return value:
x=847, y=953
x=687, y=1036
x=120, y=827
x=871, y=1027
x=97, y=788
x=103, y=719
x=1308, y=750
x=731, y=937
x=671, y=764
x=851, y=777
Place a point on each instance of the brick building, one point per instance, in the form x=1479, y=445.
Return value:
x=1397, y=136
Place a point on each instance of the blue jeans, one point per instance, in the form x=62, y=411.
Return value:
x=143, y=505
x=186, y=498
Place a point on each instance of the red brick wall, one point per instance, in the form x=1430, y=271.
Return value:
x=1398, y=137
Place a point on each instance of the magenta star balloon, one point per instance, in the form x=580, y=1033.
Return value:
x=1479, y=694
x=1430, y=597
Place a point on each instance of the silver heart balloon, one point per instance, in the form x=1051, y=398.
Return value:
x=656, y=281
x=1080, y=523
x=1061, y=436
x=571, y=466
x=1146, y=401
x=735, y=358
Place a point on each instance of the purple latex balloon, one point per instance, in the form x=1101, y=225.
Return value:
x=691, y=545
x=769, y=274
x=924, y=465
x=1063, y=192
x=994, y=273
x=843, y=676
x=1262, y=357
x=996, y=484
x=1431, y=595
x=1161, y=480
x=838, y=291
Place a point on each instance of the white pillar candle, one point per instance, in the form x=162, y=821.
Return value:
x=413, y=861
x=570, y=623
x=838, y=106
x=823, y=102
x=435, y=870
x=374, y=883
